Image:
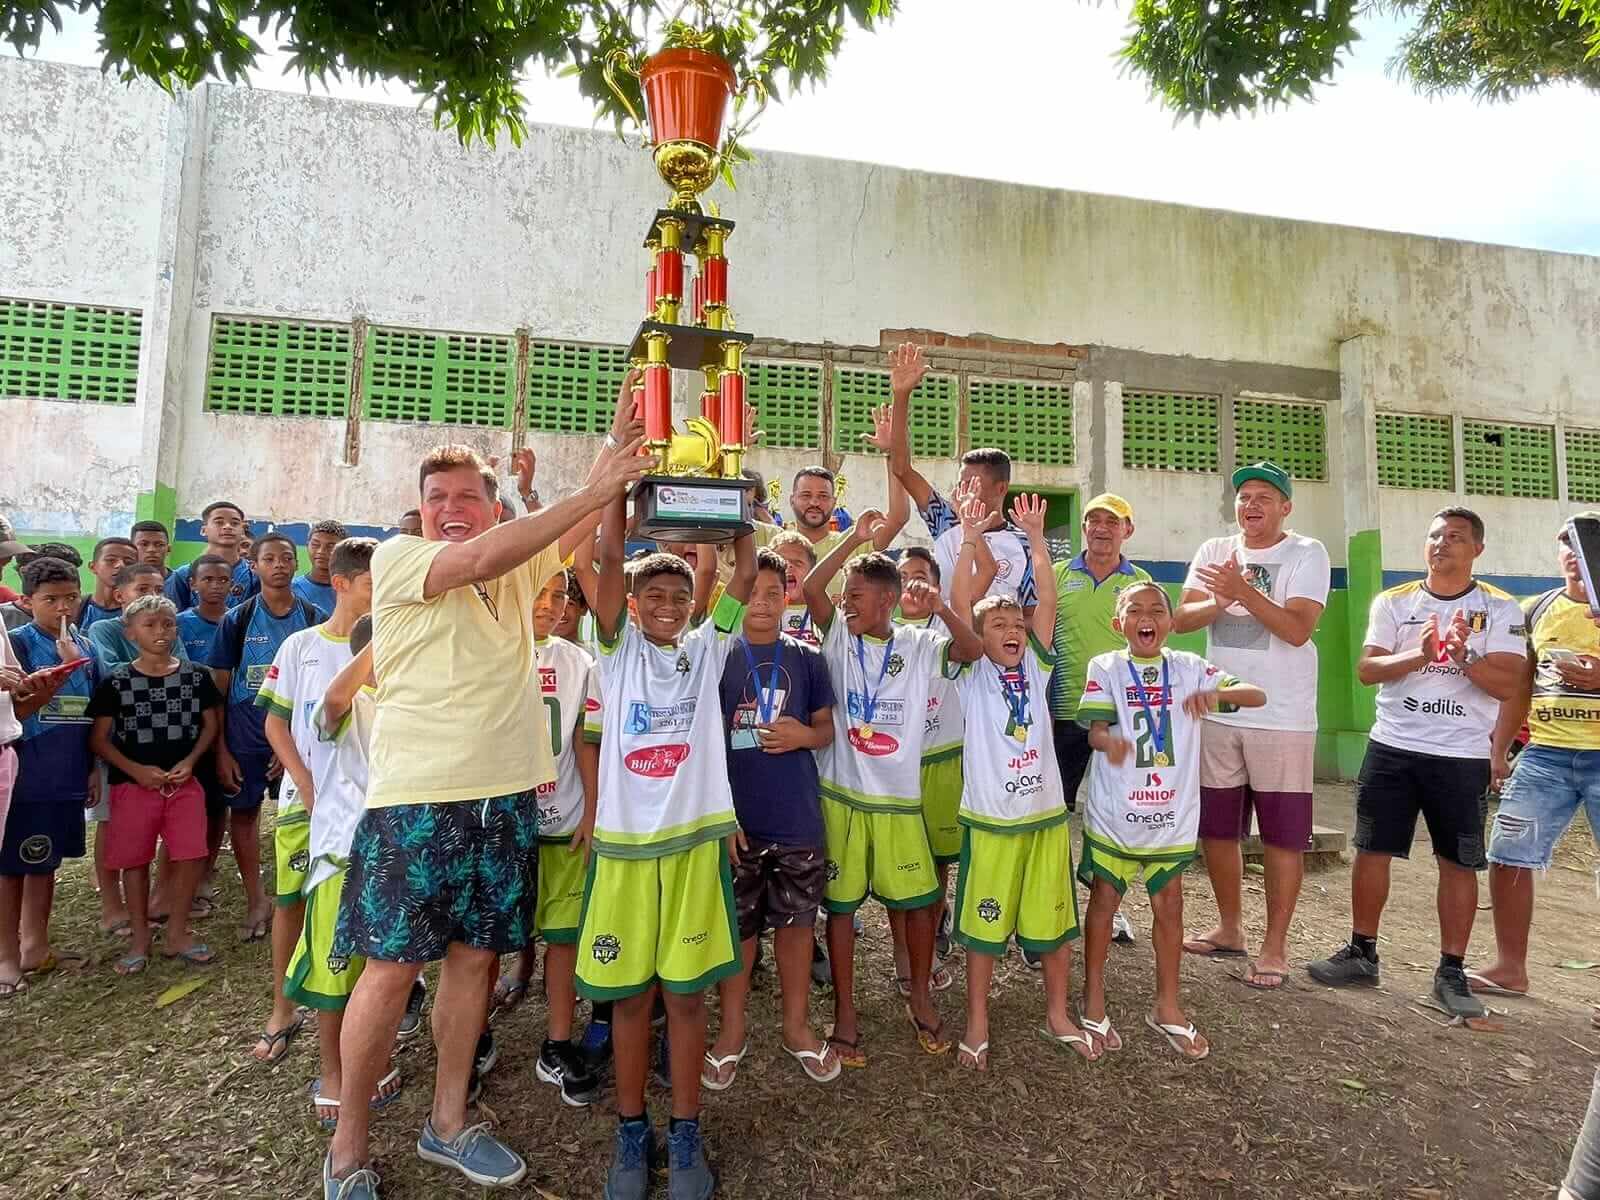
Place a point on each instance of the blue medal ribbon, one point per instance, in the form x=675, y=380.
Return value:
x=766, y=693
x=1157, y=732
x=1016, y=697
x=869, y=698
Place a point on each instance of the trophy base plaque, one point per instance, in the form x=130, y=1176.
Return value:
x=696, y=509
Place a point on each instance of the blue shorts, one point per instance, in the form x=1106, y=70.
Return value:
x=1539, y=801
x=39, y=834
x=253, y=787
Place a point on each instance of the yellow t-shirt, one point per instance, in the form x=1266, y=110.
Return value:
x=457, y=719
x=1562, y=716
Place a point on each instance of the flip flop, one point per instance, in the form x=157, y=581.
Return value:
x=284, y=1036
x=975, y=1053
x=819, y=1073
x=1256, y=973
x=130, y=964
x=1070, y=1041
x=197, y=955
x=850, y=1054
x=1214, y=949
x=714, y=1065
x=386, y=1092
x=939, y=981
x=1173, y=1032
x=12, y=987
x=932, y=1039
x=255, y=931
x=66, y=960
x=122, y=928
x=1489, y=987
x=1102, y=1029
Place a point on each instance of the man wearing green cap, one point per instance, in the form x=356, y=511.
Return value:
x=1258, y=594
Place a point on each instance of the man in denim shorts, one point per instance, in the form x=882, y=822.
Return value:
x=1258, y=594
x=1559, y=700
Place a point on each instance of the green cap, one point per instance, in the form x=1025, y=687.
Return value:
x=1267, y=472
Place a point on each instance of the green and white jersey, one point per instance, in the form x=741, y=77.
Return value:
x=875, y=759
x=663, y=755
x=1149, y=807
x=797, y=624
x=565, y=683
x=943, y=726
x=1010, y=781
x=295, y=683
x=341, y=785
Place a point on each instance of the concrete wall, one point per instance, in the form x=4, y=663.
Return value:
x=230, y=201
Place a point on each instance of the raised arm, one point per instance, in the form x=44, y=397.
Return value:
x=815, y=587
x=743, y=579
x=705, y=580
x=882, y=437
x=611, y=595
x=583, y=568
x=1028, y=512
x=965, y=645
x=906, y=369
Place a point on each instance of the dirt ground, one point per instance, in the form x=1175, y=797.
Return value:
x=1308, y=1092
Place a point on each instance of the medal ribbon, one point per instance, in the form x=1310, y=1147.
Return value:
x=766, y=693
x=1016, y=695
x=869, y=698
x=1157, y=732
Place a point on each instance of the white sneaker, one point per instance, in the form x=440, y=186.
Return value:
x=1121, y=930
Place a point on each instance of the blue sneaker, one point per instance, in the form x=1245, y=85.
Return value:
x=475, y=1152
x=595, y=1045
x=360, y=1184
x=629, y=1175
x=689, y=1177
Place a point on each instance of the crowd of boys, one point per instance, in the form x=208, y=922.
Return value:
x=694, y=747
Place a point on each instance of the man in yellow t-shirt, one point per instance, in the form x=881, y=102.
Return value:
x=441, y=866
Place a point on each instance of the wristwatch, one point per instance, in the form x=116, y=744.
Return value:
x=1468, y=657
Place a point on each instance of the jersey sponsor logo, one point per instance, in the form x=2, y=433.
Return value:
x=547, y=681
x=885, y=712
x=694, y=939
x=1478, y=620
x=1443, y=665
x=1434, y=708
x=989, y=910
x=658, y=762
x=1092, y=688
x=1024, y=783
x=1154, y=792
x=1155, y=697
x=671, y=718
x=1561, y=712
x=606, y=948
x=551, y=814
x=879, y=745
x=1076, y=585
x=1152, y=820
x=1023, y=760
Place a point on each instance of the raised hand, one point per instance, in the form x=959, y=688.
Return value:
x=522, y=466
x=1028, y=513
x=925, y=594
x=974, y=514
x=752, y=432
x=1456, y=635
x=624, y=414
x=1430, y=641
x=867, y=525
x=879, y=438
x=906, y=368
x=622, y=465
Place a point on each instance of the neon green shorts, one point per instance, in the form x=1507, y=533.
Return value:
x=885, y=853
x=559, y=908
x=317, y=977
x=1102, y=860
x=941, y=800
x=291, y=845
x=647, y=919
x=1016, y=883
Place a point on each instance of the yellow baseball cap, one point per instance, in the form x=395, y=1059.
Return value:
x=1113, y=504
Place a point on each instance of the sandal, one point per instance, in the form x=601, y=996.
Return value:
x=1071, y=1041
x=851, y=1056
x=931, y=1038
x=197, y=955
x=282, y=1039
x=66, y=960
x=1210, y=949
x=818, y=1073
x=978, y=1054
x=255, y=931
x=386, y=1092
x=939, y=981
x=12, y=987
x=122, y=928
x=1173, y=1033
x=713, y=1081
x=1256, y=975
x=130, y=964
x=1102, y=1029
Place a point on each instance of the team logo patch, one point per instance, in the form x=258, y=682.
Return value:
x=831, y=870
x=1478, y=620
x=895, y=665
x=299, y=860
x=606, y=949
x=338, y=964
x=35, y=850
x=683, y=663
x=1151, y=676
x=989, y=909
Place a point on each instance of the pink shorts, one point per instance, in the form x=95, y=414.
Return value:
x=139, y=816
x=1268, y=771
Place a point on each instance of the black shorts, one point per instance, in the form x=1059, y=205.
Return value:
x=775, y=887
x=1072, y=756
x=424, y=875
x=1452, y=794
x=38, y=835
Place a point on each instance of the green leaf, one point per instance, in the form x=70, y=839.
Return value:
x=1574, y=964
x=1355, y=1085
x=179, y=990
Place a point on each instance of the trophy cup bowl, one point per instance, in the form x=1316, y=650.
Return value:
x=689, y=168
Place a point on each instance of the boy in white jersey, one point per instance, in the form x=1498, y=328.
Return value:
x=317, y=977
x=1016, y=855
x=1143, y=707
x=874, y=836
x=658, y=907
x=565, y=680
x=296, y=681
x=799, y=556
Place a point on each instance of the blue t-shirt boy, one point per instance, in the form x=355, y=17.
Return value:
x=246, y=643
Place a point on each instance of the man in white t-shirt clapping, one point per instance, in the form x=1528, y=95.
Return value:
x=1258, y=594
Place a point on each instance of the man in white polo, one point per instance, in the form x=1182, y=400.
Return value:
x=1258, y=594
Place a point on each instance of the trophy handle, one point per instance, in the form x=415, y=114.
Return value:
x=757, y=89
x=618, y=60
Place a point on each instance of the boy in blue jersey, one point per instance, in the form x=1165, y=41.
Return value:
x=222, y=525
x=315, y=587
x=110, y=556
x=107, y=638
x=45, y=823
x=210, y=580
x=240, y=658
x=151, y=540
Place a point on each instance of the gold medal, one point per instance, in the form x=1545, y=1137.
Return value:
x=1162, y=760
x=864, y=732
x=1020, y=732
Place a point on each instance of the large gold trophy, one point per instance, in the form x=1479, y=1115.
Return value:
x=699, y=494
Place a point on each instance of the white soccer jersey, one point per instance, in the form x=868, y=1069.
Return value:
x=875, y=760
x=1149, y=807
x=564, y=673
x=341, y=785
x=943, y=726
x=797, y=624
x=1438, y=710
x=298, y=678
x=1010, y=781
x=1010, y=560
x=663, y=756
